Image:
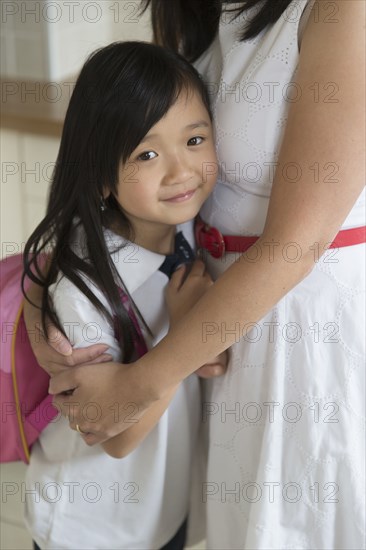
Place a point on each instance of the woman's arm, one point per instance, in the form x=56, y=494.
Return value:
x=305, y=212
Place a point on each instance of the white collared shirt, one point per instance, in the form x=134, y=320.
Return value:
x=82, y=498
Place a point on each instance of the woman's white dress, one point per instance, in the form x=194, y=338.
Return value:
x=286, y=425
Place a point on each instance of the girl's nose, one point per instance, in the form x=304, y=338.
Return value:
x=178, y=171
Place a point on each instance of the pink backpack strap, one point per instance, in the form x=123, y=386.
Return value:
x=140, y=344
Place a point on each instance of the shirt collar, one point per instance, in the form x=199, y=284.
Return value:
x=135, y=264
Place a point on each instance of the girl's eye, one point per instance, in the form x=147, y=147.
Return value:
x=147, y=155
x=195, y=140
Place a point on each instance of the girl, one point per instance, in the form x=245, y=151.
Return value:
x=136, y=159
x=289, y=105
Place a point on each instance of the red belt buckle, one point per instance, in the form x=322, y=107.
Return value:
x=209, y=238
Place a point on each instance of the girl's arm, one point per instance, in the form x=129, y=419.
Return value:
x=306, y=212
x=124, y=443
x=56, y=354
x=181, y=299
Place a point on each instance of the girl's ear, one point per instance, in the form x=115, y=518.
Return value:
x=106, y=193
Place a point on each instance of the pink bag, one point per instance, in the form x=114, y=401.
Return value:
x=26, y=407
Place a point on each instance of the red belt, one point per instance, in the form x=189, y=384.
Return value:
x=211, y=239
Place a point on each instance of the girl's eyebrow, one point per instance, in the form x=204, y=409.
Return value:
x=198, y=124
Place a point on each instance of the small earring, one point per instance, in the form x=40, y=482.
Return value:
x=103, y=206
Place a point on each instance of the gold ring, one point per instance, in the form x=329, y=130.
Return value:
x=79, y=430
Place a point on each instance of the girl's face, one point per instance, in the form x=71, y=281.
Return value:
x=172, y=171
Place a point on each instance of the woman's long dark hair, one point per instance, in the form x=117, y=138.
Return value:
x=121, y=92
x=189, y=26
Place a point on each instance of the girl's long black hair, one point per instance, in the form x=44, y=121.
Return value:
x=121, y=92
x=189, y=26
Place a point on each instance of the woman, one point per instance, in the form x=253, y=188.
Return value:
x=286, y=435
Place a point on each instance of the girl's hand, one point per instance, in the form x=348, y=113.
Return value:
x=55, y=354
x=216, y=367
x=183, y=293
x=181, y=296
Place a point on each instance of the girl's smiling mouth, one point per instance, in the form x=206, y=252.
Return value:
x=182, y=196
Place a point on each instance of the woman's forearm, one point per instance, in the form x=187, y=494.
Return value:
x=220, y=317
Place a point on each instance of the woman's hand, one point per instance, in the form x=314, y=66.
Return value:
x=102, y=402
x=55, y=353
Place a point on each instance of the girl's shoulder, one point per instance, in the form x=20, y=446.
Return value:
x=64, y=292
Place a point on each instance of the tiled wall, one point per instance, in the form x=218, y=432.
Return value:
x=24, y=51
x=48, y=40
x=27, y=161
